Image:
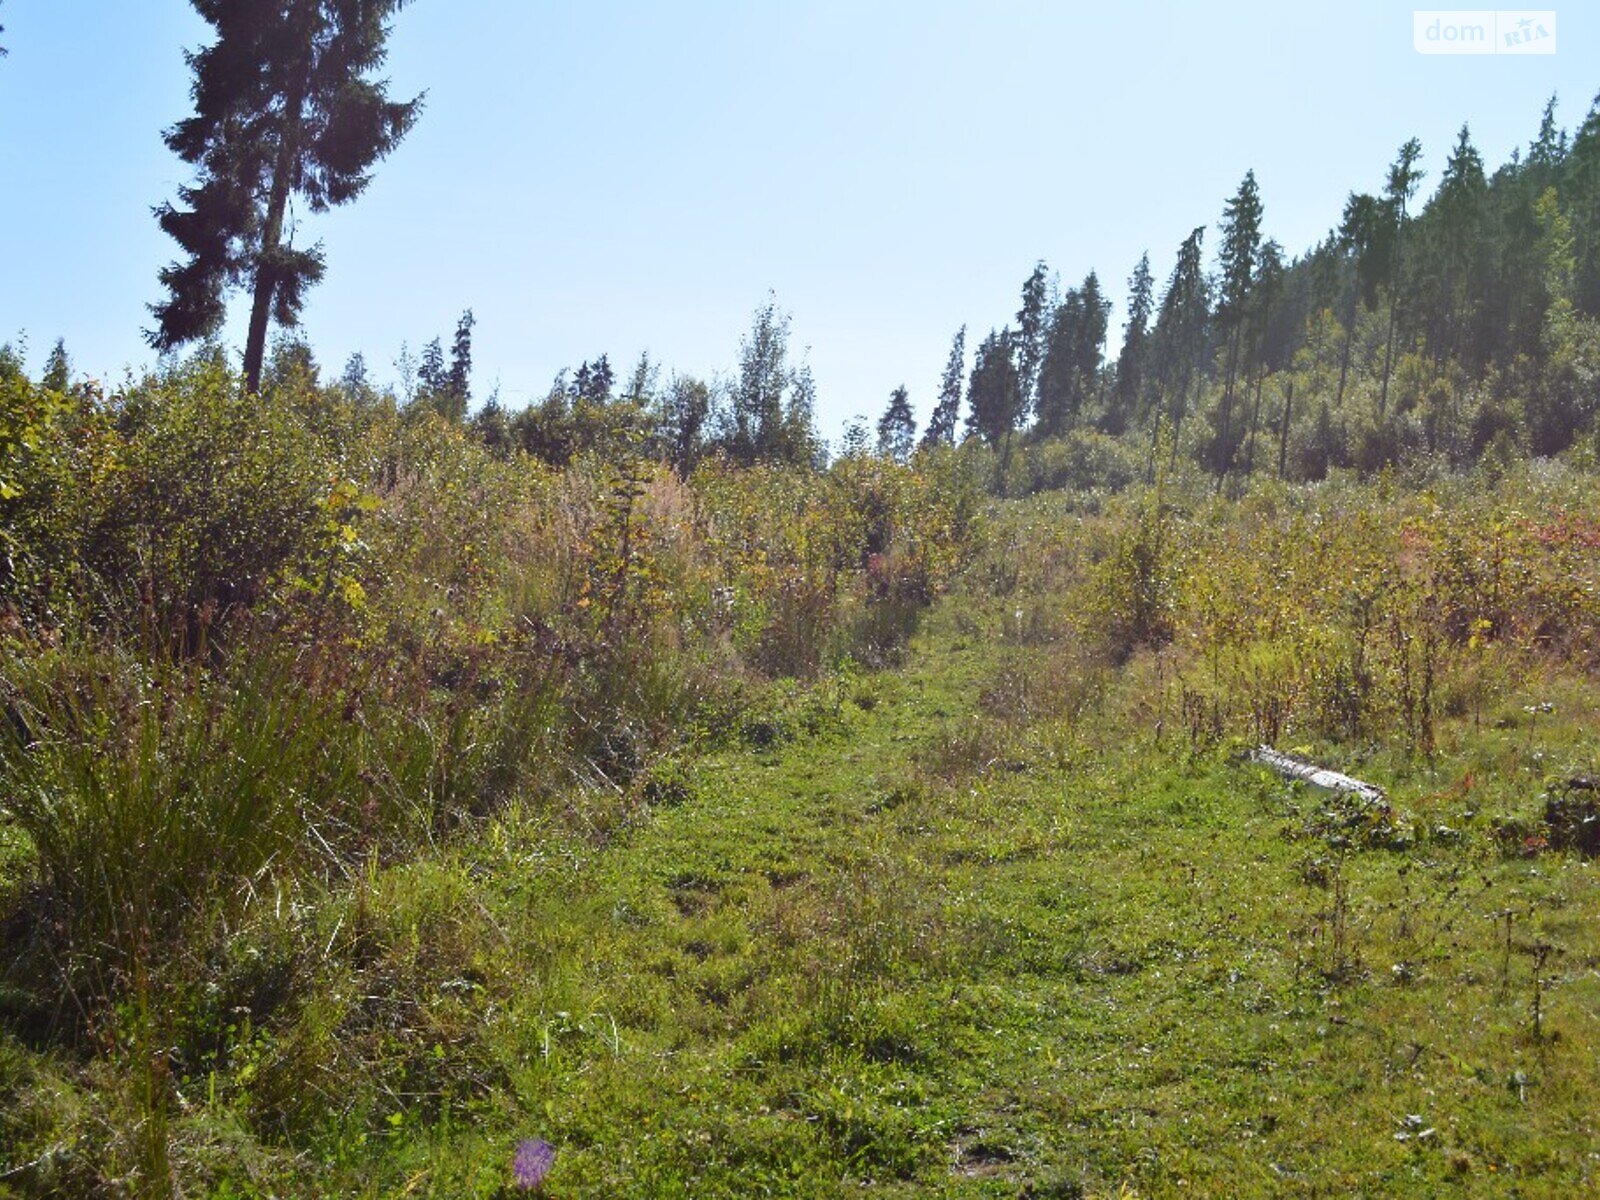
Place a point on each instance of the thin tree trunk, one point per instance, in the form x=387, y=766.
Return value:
x=1224, y=450
x=1388, y=357
x=255, y=346
x=1255, y=424
x=1283, y=437
x=1177, y=423
x=1394, y=308
x=266, y=281
x=1158, y=415
x=1344, y=356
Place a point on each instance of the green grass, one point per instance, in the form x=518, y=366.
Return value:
x=833, y=967
x=370, y=801
x=947, y=930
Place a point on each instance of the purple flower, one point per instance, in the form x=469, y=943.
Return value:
x=532, y=1163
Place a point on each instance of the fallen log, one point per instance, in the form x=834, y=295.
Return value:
x=1290, y=767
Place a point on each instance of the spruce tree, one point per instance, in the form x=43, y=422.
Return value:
x=897, y=428
x=1072, y=357
x=1237, y=256
x=592, y=383
x=1510, y=276
x=432, y=378
x=995, y=391
x=285, y=105
x=1579, y=190
x=1549, y=147
x=1404, y=176
x=1089, y=343
x=941, y=429
x=459, y=381
x=1265, y=293
x=1033, y=327
x=493, y=426
x=1454, y=249
x=1135, y=344
x=353, y=381
x=1054, y=404
x=1178, y=344
x=57, y=368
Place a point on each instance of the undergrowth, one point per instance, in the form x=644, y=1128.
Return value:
x=775, y=831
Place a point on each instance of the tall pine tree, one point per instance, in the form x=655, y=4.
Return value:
x=1033, y=330
x=1454, y=248
x=460, y=378
x=1135, y=346
x=1237, y=257
x=1072, y=357
x=946, y=414
x=1404, y=176
x=1579, y=190
x=897, y=428
x=1178, y=344
x=285, y=105
x=995, y=391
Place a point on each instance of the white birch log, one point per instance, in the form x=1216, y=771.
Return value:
x=1329, y=781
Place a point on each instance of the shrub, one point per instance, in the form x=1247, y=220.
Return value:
x=1084, y=460
x=1135, y=587
x=214, y=495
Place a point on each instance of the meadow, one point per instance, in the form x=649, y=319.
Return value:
x=375, y=803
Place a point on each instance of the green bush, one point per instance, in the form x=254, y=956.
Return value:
x=1135, y=586
x=1084, y=460
x=216, y=494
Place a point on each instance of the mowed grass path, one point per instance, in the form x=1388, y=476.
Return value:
x=915, y=953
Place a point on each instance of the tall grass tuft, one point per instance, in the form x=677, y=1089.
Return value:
x=155, y=792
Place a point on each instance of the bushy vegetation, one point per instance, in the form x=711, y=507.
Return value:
x=256, y=647
x=377, y=798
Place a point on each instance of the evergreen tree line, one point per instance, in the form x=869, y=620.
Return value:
x=1465, y=324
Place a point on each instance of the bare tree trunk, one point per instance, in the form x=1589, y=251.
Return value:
x=1388, y=356
x=1283, y=437
x=255, y=346
x=1394, y=307
x=1177, y=423
x=1290, y=767
x=1344, y=356
x=1224, y=450
x=1155, y=441
x=1255, y=424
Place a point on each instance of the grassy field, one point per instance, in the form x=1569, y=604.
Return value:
x=851, y=965
x=913, y=935
x=783, y=832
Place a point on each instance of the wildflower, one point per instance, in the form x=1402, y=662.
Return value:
x=532, y=1163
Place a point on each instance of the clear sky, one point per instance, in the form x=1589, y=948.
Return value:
x=614, y=176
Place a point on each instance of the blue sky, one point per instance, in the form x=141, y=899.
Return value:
x=607, y=176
